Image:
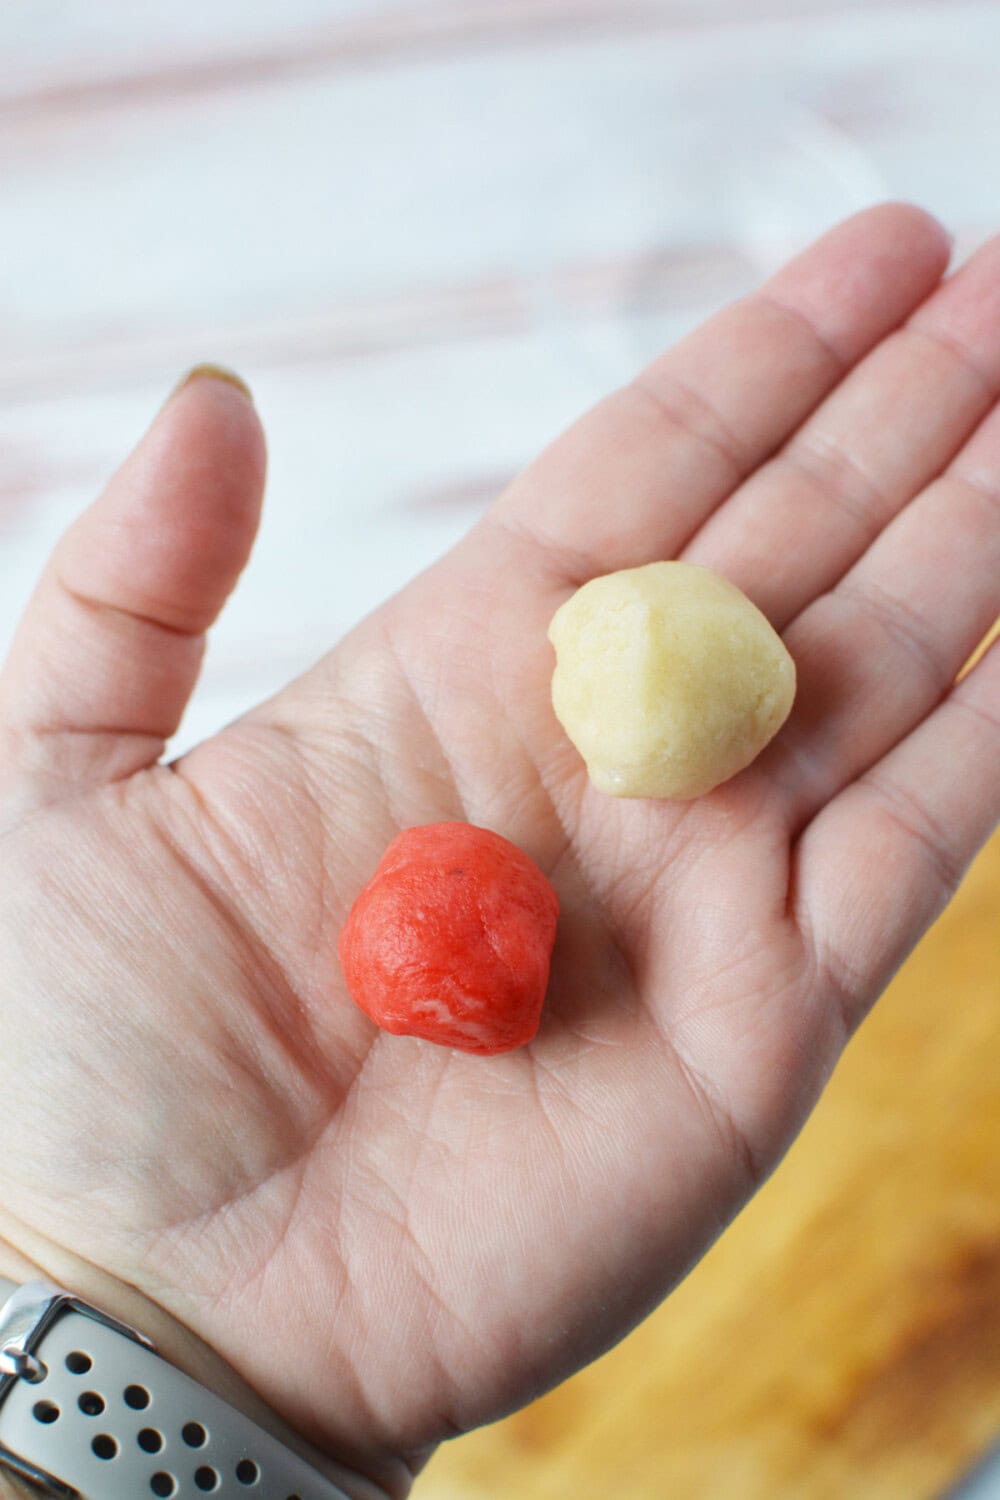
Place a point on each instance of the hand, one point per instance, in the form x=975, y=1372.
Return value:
x=391, y=1242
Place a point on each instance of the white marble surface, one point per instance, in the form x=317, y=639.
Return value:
x=428, y=232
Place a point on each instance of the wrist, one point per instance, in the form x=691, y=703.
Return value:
x=180, y=1346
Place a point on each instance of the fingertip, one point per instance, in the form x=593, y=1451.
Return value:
x=888, y=237
x=870, y=271
x=905, y=231
x=174, y=527
x=208, y=370
x=924, y=230
x=211, y=410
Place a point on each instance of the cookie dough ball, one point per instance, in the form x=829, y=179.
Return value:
x=451, y=939
x=668, y=680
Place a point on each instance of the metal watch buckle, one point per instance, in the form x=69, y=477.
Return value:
x=25, y=1318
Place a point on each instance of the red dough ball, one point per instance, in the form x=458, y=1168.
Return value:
x=451, y=939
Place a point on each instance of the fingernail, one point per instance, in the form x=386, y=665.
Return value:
x=208, y=371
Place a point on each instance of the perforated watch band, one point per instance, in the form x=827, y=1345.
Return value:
x=88, y=1408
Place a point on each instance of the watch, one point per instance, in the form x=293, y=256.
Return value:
x=88, y=1408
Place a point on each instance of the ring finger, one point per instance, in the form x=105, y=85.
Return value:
x=877, y=653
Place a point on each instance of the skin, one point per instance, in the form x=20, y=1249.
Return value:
x=387, y=1241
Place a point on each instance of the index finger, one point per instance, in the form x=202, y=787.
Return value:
x=633, y=479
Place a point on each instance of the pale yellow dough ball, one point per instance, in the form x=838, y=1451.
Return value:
x=668, y=680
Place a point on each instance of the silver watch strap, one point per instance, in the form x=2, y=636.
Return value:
x=88, y=1408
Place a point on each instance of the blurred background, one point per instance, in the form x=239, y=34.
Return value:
x=429, y=232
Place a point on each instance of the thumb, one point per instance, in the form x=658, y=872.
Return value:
x=109, y=649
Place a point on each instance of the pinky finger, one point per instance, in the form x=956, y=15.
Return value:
x=879, y=864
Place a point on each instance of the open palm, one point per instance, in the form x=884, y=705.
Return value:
x=392, y=1241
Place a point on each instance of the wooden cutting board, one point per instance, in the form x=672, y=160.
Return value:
x=843, y=1337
